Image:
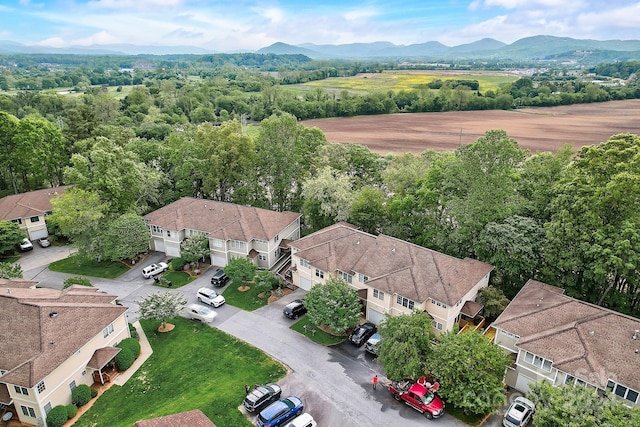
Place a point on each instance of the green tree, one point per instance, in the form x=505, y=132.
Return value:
x=266, y=281
x=285, y=150
x=368, y=210
x=125, y=237
x=593, y=234
x=240, y=270
x=231, y=162
x=576, y=406
x=493, y=300
x=80, y=215
x=405, y=348
x=470, y=370
x=8, y=154
x=161, y=306
x=194, y=248
x=327, y=198
x=119, y=178
x=334, y=305
x=10, y=270
x=10, y=235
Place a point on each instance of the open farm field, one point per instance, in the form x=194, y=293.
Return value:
x=408, y=80
x=536, y=129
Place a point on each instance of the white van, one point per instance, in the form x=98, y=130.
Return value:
x=304, y=420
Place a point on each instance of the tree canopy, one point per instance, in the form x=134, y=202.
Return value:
x=161, y=306
x=333, y=305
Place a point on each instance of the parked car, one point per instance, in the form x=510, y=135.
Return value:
x=26, y=245
x=373, y=343
x=44, y=242
x=261, y=397
x=154, y=269
x=422, y=398
x=281, y=411
x=362, y=333
x=210, y=297
x=219, y=278
x=519, y=413
x=304, y=420
x=294, y=309
x=200, y=313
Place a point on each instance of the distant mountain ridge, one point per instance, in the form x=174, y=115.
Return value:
x=529, y=48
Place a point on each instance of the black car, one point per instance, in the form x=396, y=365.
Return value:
x=294, y=309
x=362, y=333
x=219, y=278
x=261, y=397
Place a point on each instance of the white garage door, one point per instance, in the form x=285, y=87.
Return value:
x=219, y=260
x=38, y=234
x=374, y=316
x=305, y=283
x=158, y=245
x=173, y=250
x=522, y=383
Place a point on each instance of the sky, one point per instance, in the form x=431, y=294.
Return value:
x=248, y=25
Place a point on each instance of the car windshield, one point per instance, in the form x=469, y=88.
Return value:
x=428, y=398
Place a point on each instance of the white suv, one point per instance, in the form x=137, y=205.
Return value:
x=211, y=297
x=154, y=269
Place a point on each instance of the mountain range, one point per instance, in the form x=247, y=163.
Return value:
x=529, y=48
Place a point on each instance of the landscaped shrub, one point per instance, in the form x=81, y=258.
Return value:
x=81, y=395
x=83, y=281
x=94, y=393
x=133, y=331
x=177, y=264
x=130, y=344
x=72, y=411
x=125, y=359
x=57, y=416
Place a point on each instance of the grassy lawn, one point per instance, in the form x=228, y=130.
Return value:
x=247, y=300
x=192, y=367
x=177, y=279
x=87, y=267
x=320, y=336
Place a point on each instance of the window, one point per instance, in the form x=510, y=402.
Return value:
x=304, y=263
x=107, y=331
x=319, y=273
x=21, y=390
x=72, y=385
x=438, y=303
x=34, y=219
x=346, y=277
x=156, y=229
x=17, y=221
x=262, y=257
x=538, y=361
x=362, y=278
x=41, y=386
x=437, y=325
x=260, y=241
x=405, y=302
x=237, y=244
x=216, y=242
x=47, y=408
x=378, y=294
x=276, y=239
x=168, y=233
x=28, y=411
x=622, y=391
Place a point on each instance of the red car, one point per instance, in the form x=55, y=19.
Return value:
x=422, y=398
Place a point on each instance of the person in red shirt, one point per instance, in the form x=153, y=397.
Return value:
x=375, y=381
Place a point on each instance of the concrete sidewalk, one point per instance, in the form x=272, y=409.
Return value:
x=145, y=352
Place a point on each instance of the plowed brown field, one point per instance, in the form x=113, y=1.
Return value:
x=536, y=129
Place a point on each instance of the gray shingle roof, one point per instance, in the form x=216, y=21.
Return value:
x=35, y=341
x=392, y=265
x=582, y=339
x=221, y=220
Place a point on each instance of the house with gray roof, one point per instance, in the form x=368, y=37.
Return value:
x=562, y=340
x=29, y=210
x=391, y=276
x=232, y=230
x=53, y=341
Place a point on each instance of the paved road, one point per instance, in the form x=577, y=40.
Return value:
x=335, y=383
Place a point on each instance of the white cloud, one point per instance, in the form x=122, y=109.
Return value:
x=99, y=38
x=52, y=42
x=360, y=13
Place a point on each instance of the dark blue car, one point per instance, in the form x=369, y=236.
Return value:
x=280, y=412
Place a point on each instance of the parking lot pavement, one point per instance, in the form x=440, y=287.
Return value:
x=38, y=259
